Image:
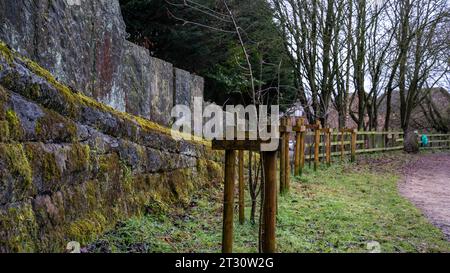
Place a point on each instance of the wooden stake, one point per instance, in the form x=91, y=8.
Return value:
x=241, y=188
x=328, y=147
x=342, y=145
x=354, y=135
x=283, y=157
x=335, y=141
x=228, y=201
x=287, y=160
x=302, y=150
x=270, y=201
x=316, y=145
x=298, y=148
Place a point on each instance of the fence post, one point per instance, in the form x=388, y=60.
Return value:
x=298, y=147
x=354, y=135
x=228, y=201
x=328, y=148
x=282, y=156
x=287, y=160
x=335, y=141
x=270, y=202
x=302, y=149
x=342, y=144
x=316, y=144
x=241, y=188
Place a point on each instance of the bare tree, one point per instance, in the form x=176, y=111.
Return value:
x=309, y=30
x=418, y=54
x=438, y=118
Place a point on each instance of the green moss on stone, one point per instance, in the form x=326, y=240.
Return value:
x=127, y=178
x=18, y=229
x=18, y=165
x=86, y=229
x=182, y=184
x=53, y=126
x=51, y=171
x=4, y=131
x=109, y=164
x=79, y=158
x=3, y=100
x=6, y=53
x=15, y=128
x=10, y=80
x=34, y=91
x=215, y=170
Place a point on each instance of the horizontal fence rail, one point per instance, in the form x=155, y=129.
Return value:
x=367, y=142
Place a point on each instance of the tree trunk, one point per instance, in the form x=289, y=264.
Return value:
x=253, y=212
x=411, y=143
x=388, y=110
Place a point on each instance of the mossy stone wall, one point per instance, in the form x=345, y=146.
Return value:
x=71, y=168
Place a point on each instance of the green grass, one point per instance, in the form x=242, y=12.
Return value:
x=337, y=209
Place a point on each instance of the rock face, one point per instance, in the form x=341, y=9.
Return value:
x=71, y=168
x=83, y=44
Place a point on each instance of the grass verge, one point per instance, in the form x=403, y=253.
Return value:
x=337, y=209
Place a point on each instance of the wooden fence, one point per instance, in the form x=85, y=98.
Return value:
x=299, y=143
x=366, y=142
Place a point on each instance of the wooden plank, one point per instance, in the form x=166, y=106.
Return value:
x=302, y=151
x=316, y=145
x=378, y=150
x=270, y=202
x=353, y=146
x=378, y=133
x=439, y=135
x=299, y=128
x=347, y=130
x=283, y=158
x=438, y=141
x=228, y=202
x=435, y=148
x=312, y=126
x=287, y=168
x=328, y=146
x=244, y=145
x=241, y=188
x=361, y=151
x=298, y=147
x=285, y=129
x=337, y=143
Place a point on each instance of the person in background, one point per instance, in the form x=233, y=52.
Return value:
x=424, y=140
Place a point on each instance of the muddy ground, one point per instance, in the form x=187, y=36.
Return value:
x=427, y=184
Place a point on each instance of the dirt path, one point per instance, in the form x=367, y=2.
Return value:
x=427, y=185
